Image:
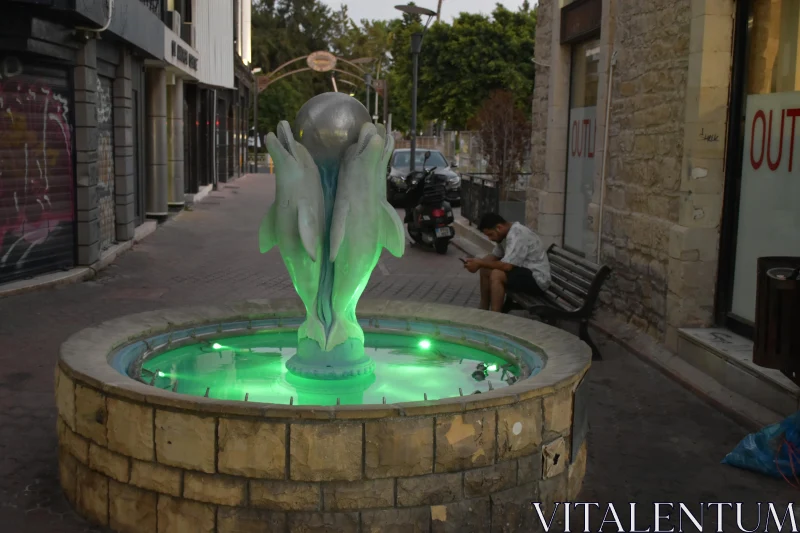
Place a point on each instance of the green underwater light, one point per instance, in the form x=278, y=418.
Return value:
x=424, y=344
x=492, y=368
x=217, y=346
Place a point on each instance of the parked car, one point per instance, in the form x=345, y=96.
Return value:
x=400, y=166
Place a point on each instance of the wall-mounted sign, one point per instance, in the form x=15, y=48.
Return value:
x=581, y=20
x=182, y=54
x=321, y=61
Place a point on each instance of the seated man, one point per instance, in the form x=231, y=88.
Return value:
x=518, y=262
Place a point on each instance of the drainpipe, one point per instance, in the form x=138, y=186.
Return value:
x=106, y=25
x=214, y=140
x=605, y=155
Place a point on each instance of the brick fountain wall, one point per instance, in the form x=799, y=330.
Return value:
x=138, y=459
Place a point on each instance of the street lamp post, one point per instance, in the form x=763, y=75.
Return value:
x=368, y=82
x=416, y=48
x=255, y=71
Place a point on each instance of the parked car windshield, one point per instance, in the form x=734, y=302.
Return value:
x=403, y=160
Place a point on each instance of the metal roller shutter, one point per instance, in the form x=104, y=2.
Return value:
x=37, y=210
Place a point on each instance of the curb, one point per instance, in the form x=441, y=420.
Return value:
x=76, y=275
x=471, y=235
x=737, y=407
x=199, y=196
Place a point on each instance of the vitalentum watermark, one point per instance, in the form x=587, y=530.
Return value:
x=668, y=517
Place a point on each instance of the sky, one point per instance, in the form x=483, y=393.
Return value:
x=384, y=9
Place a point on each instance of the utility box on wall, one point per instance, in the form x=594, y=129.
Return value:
x=777, y=327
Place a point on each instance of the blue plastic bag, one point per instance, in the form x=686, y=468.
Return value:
x=774, y=451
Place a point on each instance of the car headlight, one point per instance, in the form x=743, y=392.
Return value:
x=453, y=182
x=397, y=181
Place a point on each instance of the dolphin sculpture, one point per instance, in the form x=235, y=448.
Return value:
x=298, y=211
x=363, y=224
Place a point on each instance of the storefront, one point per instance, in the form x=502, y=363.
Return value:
x=761, y=215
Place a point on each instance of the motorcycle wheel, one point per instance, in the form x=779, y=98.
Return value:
x=441, y=246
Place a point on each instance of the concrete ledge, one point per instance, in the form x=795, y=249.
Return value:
x=728, y=358
x=53, y=279
x=477, y=242
x=745, y=411
x=199, y=196
x=78, y=274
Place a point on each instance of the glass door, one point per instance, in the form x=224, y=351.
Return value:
x=582, y=136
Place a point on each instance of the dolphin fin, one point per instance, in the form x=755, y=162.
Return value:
x=393, y=235
x=307, y=225
x=267, y=238
x=313, y=329
x=341, y=330
x=340, y=212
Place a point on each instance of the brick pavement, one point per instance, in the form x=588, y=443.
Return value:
x=650, y=440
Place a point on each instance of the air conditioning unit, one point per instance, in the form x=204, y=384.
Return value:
x=174, y=21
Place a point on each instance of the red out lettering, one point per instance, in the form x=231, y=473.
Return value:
x=583, y=144
x=794, y=113
x=760, y=121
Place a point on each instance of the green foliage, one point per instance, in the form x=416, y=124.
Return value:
x=461, y=64
x=464, y=63
x=282, y=31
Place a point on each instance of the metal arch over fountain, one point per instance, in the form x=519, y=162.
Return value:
x=330, y=221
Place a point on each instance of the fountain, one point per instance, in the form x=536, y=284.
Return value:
x=327, y=413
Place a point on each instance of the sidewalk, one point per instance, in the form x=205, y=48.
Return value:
x=651, y=440
x=741, y=408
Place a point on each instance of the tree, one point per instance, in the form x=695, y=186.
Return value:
x=400, y=74
x=369, y=39
x=505, y=133
x=284, y=30
x=461, y=64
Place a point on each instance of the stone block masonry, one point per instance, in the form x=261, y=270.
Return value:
x=663, y=176
x=195, y=481
x=86, y=138
x=137, y=459
x=124, y=186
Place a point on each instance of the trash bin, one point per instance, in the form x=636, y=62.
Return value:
x=777, y=327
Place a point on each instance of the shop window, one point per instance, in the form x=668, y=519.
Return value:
x=581, y=141
x=769, y=206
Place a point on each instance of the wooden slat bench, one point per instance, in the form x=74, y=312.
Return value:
x=572, y=295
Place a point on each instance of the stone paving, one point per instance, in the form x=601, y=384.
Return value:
x=650, y=439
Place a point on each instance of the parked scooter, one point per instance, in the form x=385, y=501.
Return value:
x=429, y=216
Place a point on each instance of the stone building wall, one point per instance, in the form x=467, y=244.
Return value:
x=538, y=181
x=645, y=156
x=664, y=171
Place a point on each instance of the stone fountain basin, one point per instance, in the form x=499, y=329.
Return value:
x=137, y=458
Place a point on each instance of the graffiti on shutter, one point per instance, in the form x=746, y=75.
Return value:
x=105, y=162
x=36, y=170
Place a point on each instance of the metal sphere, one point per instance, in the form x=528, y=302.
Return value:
x=328, y=123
